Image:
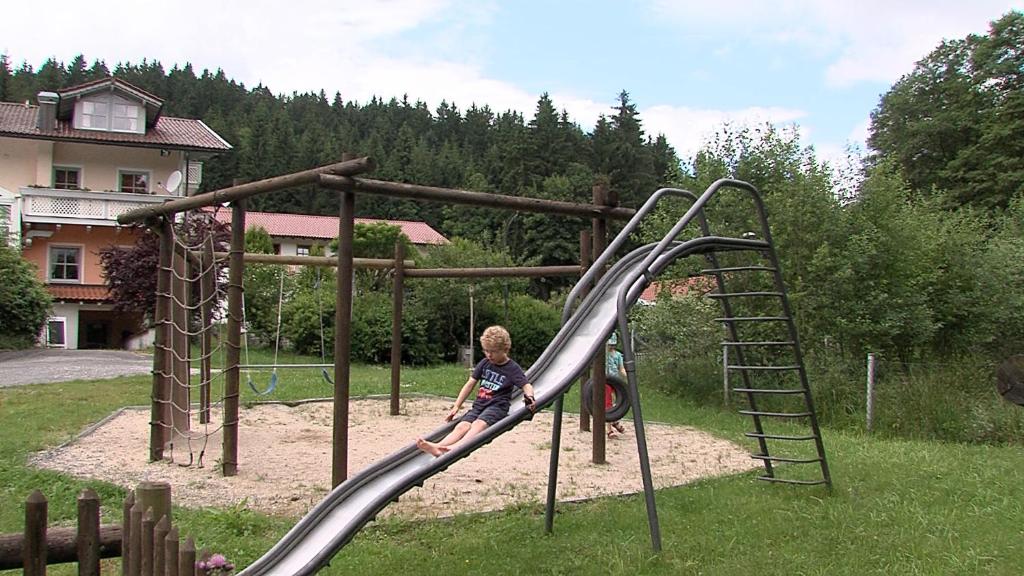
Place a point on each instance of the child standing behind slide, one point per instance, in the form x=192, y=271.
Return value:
x=498, y=376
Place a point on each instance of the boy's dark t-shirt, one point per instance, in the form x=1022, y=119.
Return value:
x=497, y=382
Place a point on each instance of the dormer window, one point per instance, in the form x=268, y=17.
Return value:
x=109, y=112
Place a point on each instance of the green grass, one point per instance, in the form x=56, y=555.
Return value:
x=898, y=506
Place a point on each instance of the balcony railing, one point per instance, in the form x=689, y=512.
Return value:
x=50, y=205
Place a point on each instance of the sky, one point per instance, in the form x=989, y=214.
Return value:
x=689, y=66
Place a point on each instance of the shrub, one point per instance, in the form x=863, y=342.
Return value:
x=24, y=303
x=532, y=324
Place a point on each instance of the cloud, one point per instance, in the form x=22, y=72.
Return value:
x=688, y=129
x=866, y=41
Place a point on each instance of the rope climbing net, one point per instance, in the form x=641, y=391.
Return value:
x=190, y=313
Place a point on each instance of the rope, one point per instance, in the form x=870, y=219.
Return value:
x=320, y=315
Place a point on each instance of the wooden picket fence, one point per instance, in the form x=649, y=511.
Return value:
x=146, y=541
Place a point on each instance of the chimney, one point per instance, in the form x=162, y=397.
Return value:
x=47, y=119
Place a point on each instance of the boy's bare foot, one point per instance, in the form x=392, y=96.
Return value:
x=430, y=447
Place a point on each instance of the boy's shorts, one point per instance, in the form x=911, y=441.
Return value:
x=490, y=414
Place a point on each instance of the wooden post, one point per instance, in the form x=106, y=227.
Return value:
x=171, y=552
x=155, y=495
x=135, y=543
x=148, y=530
x=87, y=541
x=126, y=533
x=871, y=393
x=160, y=546
x=599, y=227
x=160, y=412
x=208, y=288
x=398, y=289
x=34, y=553
x=187, y=558
x=236, y=266
x=343, y=335
x=180, y=344
x=585, y=247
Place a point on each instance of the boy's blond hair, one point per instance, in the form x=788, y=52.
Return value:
x=496, y=338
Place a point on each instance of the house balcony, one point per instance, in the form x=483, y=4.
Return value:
x=84, y=207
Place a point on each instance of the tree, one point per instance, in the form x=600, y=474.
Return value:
x=24, y=302
x=952, y=125
x=132, y=272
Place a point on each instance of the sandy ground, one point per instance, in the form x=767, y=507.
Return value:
x=285, y=459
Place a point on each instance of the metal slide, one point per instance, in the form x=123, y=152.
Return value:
x=318, y=536
x=334, y=521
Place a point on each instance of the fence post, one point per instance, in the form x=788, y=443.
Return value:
x=171, y=552
x=135, y=543
x=126, y=533
x=148, y=528
x=155, y=495
x=871, y=393
x=34, y=553
x=87, y=541
x=160, y=546
x=187, y=558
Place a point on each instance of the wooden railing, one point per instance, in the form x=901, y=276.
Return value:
x=146, y=541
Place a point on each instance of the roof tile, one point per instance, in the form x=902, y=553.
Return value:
x=19, y=120
x=79, y=292
x=326, y=227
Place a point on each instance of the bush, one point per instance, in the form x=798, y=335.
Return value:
x=24, y=303
x=681, y=341
x=532, y=324
x=371, y=328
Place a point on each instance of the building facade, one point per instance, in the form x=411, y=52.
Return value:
x=69, y=165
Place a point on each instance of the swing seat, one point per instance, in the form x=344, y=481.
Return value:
x=327, y=376
x=270, y=387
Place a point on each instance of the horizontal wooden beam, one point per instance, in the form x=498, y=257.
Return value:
x=253, y=258
x=61, y=546
x=453, y=196
x=233, y=193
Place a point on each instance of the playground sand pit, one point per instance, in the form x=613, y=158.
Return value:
x=284, y=459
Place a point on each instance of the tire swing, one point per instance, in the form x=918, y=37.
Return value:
x=620, y=397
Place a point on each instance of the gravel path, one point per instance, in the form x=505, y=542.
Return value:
x=42, y=365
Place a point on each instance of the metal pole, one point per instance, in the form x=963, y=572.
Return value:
x=871, y=392
x=556, y=442
x=641, y=436
x=725, y=374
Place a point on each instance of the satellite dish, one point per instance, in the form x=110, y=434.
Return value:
x=174, y=181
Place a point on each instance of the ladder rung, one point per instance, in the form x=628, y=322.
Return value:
x=754, y=319
x=775, y=414
x=788, y=481
x=769, y=390
x=744, y=294
x=760, y=343
x=785, y=459
x=739, y=269
x=776, y=368
x=778, y=436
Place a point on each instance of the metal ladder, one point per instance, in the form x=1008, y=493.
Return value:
x=763, y=348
